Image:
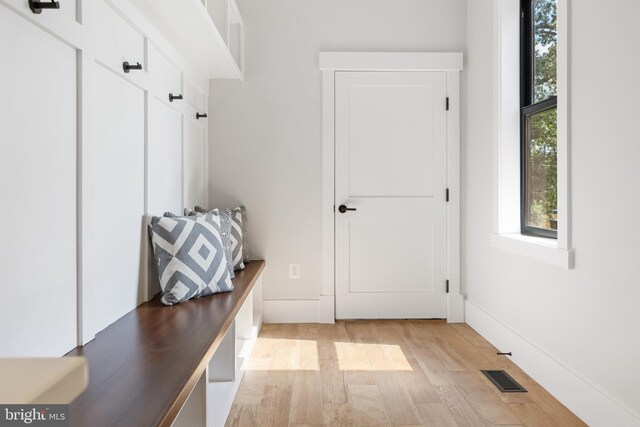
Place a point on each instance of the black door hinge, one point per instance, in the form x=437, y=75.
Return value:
x=447, y=194
x=447, y=103
x=447, y=285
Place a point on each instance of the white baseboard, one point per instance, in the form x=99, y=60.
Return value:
x=322, y=310
x=326, y=309
x=591, y=404
x=298, y=311
x=455, y=308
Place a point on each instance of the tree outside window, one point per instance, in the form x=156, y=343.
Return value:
x=539, y=118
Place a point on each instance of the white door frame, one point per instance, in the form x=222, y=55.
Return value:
x=452, y=64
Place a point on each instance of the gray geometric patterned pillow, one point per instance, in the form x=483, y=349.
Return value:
x=189, y=212
x=225, y=230
x=245, y=246
x=190, y=257
x=237, y=238
x=239, y=251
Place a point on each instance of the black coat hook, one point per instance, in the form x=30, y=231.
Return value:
x=172, y=97
x=37, y=6
x=198, y=116
x=128, y=67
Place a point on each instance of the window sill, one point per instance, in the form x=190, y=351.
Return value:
x=538, y=248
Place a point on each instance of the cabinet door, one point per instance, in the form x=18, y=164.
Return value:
x=195, y=96
x=163, y=72
x=113, y=201
x=115, y=40
x=38, y=187
x=164, y=164
x=194, y=162
x=63, y=20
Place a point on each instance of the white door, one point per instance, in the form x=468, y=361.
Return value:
x=390, y=167
x=38, y=119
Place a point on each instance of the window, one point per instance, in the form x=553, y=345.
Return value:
x=539, y=118
x=532, y=144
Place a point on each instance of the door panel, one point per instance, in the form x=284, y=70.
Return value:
x=113, y=200
x=163, y=71
x=164, y=185
x=390, y=135
x=115, y=40
x=391, y=167
x=194, y=163
x=53, y=19
x=38, y=186
x=383, y=243
x=194, y=96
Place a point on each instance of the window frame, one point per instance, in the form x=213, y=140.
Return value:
x=529, y=108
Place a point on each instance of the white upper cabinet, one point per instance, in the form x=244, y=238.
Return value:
x=116, y=42
x=208, y=34
x=235, y=34
x=218, y=10
x=64, y=21
x=163, y=72
x=195, y=97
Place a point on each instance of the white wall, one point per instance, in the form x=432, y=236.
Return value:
x=585, y=319
x=265, y=133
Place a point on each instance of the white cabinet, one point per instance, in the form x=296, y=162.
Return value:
x=64, y=15
x=163, y=72
x=218, y=10
x=195, y=97
x=38, y=83
x=88, y=149
x=62, y=21
x=164, y=159
x=228, y=21
x=116, y=42
x=195, y=133
x=113, y=201
x=235, y=35
x=207, y=42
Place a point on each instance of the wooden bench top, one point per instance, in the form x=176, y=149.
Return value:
x=143, y=367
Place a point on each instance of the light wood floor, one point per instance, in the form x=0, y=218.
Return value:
x=384, y=373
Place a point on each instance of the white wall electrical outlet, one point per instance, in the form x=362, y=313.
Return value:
x=294, y=271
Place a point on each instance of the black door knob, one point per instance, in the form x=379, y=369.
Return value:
x=344, y=209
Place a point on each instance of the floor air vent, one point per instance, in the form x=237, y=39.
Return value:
x=504, y=382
